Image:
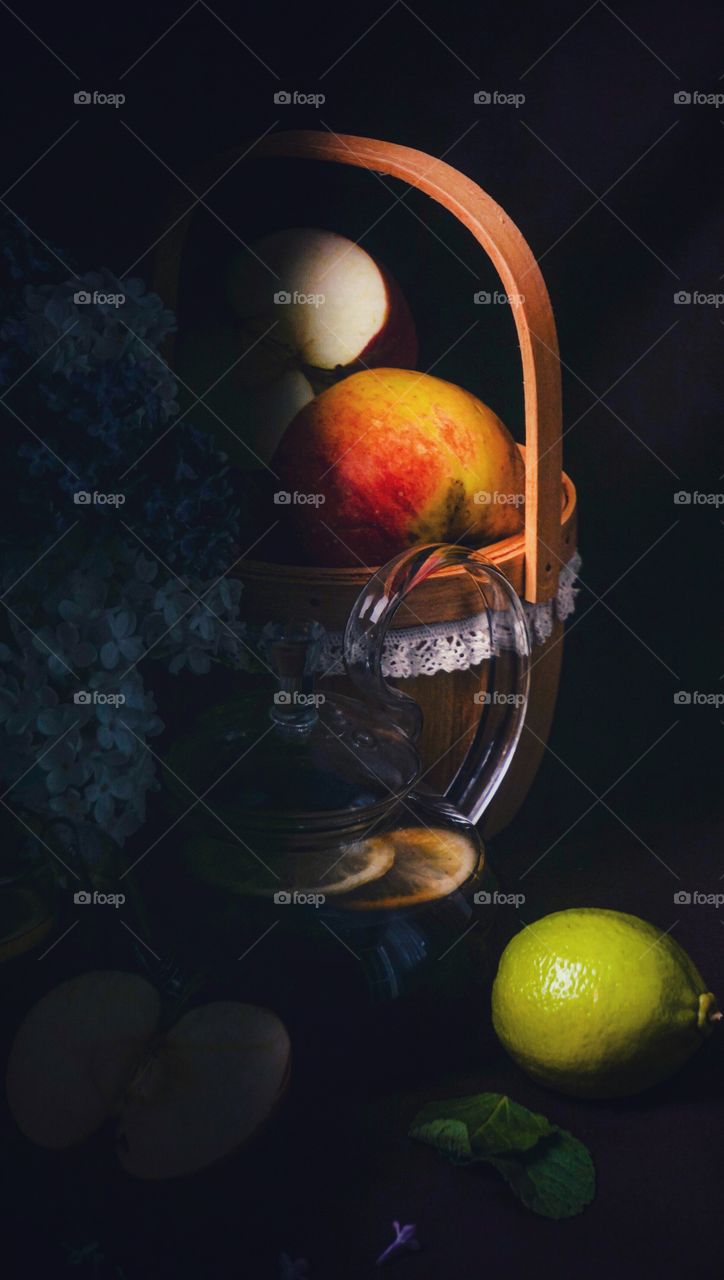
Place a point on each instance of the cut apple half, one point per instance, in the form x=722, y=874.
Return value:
x=74, y=1053
x=89, y=1049
x=204, y=1091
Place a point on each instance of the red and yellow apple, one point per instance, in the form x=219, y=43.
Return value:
x=388, y=458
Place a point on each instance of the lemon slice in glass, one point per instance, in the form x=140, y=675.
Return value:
x=429, y=863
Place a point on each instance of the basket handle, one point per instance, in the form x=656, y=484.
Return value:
x=521, y=279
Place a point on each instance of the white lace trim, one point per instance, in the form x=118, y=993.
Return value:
x=460, y=644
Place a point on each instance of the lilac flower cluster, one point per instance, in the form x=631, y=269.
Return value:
x=76, y=713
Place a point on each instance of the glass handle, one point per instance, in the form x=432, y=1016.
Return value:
x=502, y=705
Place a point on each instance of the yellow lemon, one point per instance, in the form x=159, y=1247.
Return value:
x=598, y=1003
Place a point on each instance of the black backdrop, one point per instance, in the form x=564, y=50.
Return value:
x=616, y=186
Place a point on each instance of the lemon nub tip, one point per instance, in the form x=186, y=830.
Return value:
x=709, y=1011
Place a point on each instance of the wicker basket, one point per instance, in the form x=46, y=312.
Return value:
x=531, y=560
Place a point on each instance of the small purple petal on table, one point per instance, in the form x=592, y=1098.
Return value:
x=405, y=1239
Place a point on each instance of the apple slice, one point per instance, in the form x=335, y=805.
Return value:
x=74, y=1053
x=205, y=1089
x=332, y=306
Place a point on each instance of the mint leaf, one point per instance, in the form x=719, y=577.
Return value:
x=448, y=1136
x=546, y=1167
x=509, y=1127
x=556, y=1179
x=491, y=1122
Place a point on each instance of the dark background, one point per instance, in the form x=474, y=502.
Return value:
x=642, y=390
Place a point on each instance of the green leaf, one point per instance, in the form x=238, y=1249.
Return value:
x=556, y=1179
x=448, y=1136
x=509, y=1127
x=546, y=1167
x=493, y=1125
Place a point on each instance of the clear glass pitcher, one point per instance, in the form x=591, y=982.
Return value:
x=315, y=820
